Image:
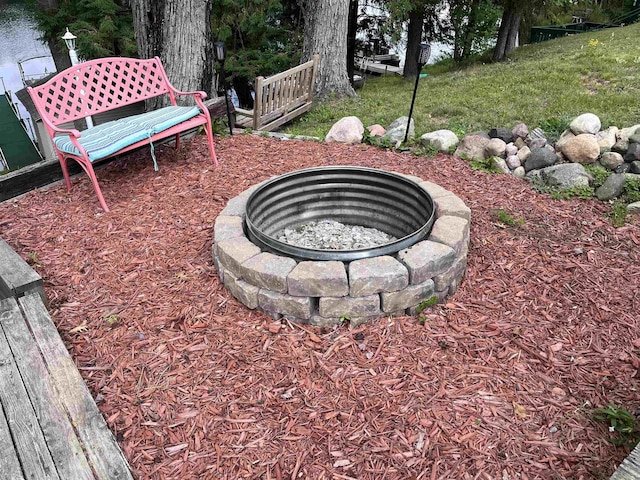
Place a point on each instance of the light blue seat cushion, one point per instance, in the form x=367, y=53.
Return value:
x=106, y=139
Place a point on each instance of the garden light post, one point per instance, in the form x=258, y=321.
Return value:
x=424, y=52
x=220, y=54
x=70, y=40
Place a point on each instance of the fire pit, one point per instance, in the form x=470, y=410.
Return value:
x=422, y=263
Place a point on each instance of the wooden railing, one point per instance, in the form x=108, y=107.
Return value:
x=280, y=98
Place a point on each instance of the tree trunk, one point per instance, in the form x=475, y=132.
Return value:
x=503, y=33
x=325, y=32
x=351, y=39
x=470, y=33
x=512, y=37
x=179, y=32
x=414, y=37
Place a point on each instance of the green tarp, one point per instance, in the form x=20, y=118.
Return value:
x=16, y=145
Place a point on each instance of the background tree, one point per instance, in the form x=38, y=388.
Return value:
x=179, y=32
x=325, y=32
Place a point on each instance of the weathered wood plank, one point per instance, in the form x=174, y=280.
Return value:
x=63, y=444
x=630, y=467
x=16, y=276
x=28, y=438
x=9, y=464
x=103, y=452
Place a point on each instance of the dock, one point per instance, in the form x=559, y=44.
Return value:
x=379, y=65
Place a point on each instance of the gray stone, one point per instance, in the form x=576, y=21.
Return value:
x=624, y=168
x=537, y=143
x=318, y=279
x=375, y=275
x=300, y=307
x=540, y=158
x=585, y=123
x=353, y=307
x=565, y=175
x=451, y=205
x=612, y=187
x=236, y=206
x=495, y=148
x=347, y=130
x=426, y=259
x=633, y=153
x=634, y=167
x=397, y=129
x=234, y=252
x=611, y=160
x=607, y=138
x=511, y=150
x=503, y=134
x=519, y=172
x=472, y=147
x=269, y=271
x=226, y=227
x=524, y=153
x=243, y=291
x=443, y=140
x=537, y=134
x=434, y=189
x=407, y=298
x=319, y=321
x=500, y=164
x=520, y=131
x=513, y=162
x=633, y=207
x=622, y=145
x=634, y=138
x=452, y=276
x=582, y=148
x=451, y=231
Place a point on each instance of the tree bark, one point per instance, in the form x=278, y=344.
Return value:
x=512, y=37
x=325, y=32
x=179, y=32
x=414, y=37
x=503, y=32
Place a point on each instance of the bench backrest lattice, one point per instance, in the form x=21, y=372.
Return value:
x=100, y=85
x=281, y=97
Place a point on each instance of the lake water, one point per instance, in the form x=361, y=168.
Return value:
x=19, y=41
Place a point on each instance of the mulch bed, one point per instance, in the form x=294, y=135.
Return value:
x=500, y=382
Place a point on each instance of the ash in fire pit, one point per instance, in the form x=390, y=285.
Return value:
x=331, y=235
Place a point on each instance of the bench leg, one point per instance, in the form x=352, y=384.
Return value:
x=212, y=150
x=96, y=187
x=65, y=171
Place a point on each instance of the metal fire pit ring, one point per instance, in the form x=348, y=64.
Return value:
x=351, y=195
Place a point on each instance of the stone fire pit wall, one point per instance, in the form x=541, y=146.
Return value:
x=325, y=292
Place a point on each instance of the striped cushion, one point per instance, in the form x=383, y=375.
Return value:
x=106, y=139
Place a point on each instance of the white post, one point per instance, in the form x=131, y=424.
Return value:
x=70, y=39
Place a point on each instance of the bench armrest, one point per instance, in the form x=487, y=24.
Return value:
x=196, y=94
x=72, y=132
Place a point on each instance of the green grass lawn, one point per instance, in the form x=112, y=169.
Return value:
x=543, y=85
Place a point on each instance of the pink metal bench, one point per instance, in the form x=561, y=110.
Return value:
x=104, y=84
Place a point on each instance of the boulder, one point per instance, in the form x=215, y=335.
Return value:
x=634, y=167
x=585, y=123
x=500, y=164
x=376, y=130
x=633, y=207
x=566, y=175
x=472, y=147
x=519, y=143
x=443, y=140
x=540, y=158
x=633, y=153
x=495, y=148
x=624, y=168
x=519, y=172
x=622, y=145
x=635, y=138
x=537, y=143
x=564, y=137
x=346, y=130
x=607, y=138
x=513, y=162
x=524, y=153
x=582, y=148
x=503, y=134
x=520, y=131
x=611, y=160
x=397, y=129
x=612, y=187
x=511, y=149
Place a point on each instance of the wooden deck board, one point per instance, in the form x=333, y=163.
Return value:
x=63, y=444
x=16, y=276
x=29, y=441
x=9, y=464
x=103, y=452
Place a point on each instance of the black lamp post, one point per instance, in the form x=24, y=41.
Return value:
x=424, y=52
x=220, y=53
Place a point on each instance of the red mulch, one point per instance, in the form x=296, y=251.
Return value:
x=499, y=383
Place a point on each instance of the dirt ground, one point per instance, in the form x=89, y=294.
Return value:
x=499, y=383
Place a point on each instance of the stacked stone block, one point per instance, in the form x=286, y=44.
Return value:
x=327, y=292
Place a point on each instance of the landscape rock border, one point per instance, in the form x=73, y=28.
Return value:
x=326, y=293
